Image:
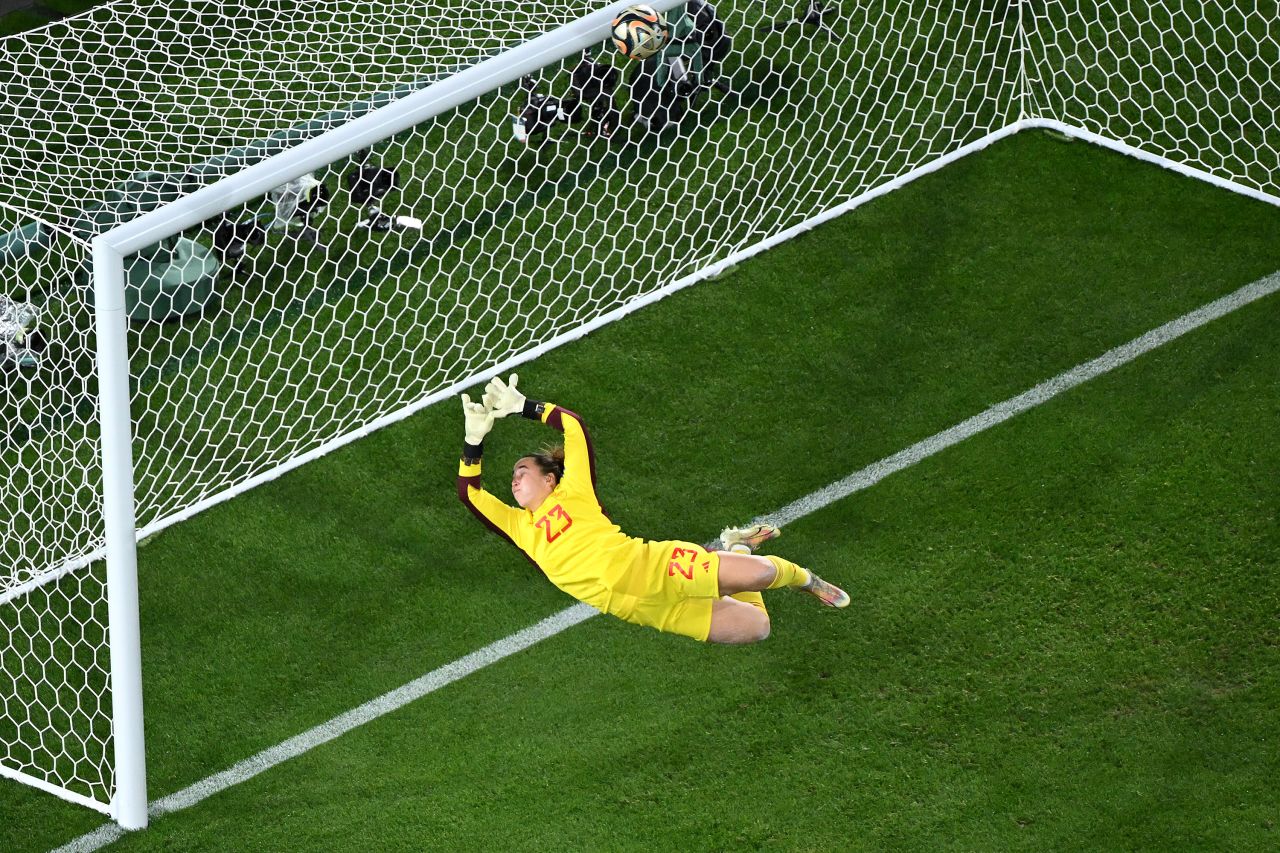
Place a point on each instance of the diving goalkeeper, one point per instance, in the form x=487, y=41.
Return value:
x=673, y=586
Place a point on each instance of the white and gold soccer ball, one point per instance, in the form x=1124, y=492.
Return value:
x=639, y=32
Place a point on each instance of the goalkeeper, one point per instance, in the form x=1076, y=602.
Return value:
x=673, y=586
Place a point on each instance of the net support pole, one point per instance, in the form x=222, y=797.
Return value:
x=129, y=801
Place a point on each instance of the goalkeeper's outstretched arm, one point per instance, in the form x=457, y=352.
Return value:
x=493, y=513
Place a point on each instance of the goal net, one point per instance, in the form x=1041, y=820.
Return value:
x=1194, y=86
x=343, y=212
x=106, y=115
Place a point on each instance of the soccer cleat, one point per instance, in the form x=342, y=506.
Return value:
x=745, y=540
x=828, y=593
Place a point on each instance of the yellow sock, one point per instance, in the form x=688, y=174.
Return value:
x=789, y=574
x=752, y=597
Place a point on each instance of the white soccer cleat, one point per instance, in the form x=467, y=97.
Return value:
x=745, y=540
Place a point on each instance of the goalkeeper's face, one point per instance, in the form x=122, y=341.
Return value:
x=529, y=485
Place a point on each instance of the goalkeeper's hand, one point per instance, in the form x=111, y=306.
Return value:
x=502, y=398
x=478, y=420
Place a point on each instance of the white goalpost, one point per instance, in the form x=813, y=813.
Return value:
x=335, y=214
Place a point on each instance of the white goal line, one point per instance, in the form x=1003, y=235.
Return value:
x=570, y=616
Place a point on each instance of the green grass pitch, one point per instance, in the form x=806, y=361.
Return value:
x=1063, y=633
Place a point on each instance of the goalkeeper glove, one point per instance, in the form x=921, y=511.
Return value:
x=478, y=420
x=502, y=398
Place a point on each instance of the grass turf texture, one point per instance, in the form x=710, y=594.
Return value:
x=1063, y=631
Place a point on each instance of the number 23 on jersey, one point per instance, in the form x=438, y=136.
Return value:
x=555, y=522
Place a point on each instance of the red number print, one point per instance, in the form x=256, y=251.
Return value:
x=548, y=522
x=675, y=564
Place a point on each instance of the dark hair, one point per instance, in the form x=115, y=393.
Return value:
x=550, y=460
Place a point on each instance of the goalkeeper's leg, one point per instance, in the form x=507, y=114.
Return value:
x=742, y=573
x=735, y=621
x=752, y=597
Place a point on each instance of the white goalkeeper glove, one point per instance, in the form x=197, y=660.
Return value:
x=502, y=398
x=478, y=420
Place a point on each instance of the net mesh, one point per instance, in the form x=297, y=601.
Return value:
x=89, y=106
x=484, y=244
x=1196, y=83
x=140, y=86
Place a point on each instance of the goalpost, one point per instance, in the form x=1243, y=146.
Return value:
x=340, y=213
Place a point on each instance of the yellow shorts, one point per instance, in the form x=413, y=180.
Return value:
x=672, y=587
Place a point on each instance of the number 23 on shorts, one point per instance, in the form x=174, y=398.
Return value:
x=678, y=556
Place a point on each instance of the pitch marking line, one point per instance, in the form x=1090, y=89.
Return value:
x=571, y=616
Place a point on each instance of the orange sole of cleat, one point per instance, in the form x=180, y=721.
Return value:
x=768, y=532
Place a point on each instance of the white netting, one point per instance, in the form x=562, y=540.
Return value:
x=86, y=104
x=55, y=704
x=285, y=324
x=1195, y=82
x=54, y=725
x=334, y=323
x=140, y=86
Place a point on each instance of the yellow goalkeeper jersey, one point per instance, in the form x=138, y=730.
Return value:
x=569, y=536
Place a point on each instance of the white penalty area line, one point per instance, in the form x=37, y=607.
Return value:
x=571, y=616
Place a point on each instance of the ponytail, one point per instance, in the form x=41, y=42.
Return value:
x=550, y=460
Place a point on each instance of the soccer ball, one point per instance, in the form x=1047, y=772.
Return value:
x=639, y=32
